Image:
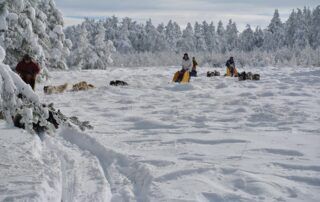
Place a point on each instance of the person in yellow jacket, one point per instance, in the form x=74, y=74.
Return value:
x=194, y=67
x=231, y=68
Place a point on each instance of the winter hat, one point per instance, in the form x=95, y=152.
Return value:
x=26, y=57
x=2, y=54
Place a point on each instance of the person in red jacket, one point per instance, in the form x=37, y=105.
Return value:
x=28, y=70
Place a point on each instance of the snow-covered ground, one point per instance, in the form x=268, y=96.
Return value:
x=215, y=139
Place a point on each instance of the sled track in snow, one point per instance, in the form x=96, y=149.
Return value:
x=78, y=171
x=129, y=180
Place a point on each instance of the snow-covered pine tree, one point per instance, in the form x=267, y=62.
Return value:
x=173, y=35
x=54, y=42
x=34, y=27
x=247, y=39
x=102, y=48
x=111, y=26
x=170, y=36
x=222, y=43
x=210, y=36
x=151, y=37
x=91, y=49
x=315, y=28
x=187, y=42
x=80, y=49
x=16, y=97
x=296, y=31
x=231, y=36
x=161, y=43
x=123, y=44
x=258, y=38
x=199, y=38
x=275, y=34
x=136, y=37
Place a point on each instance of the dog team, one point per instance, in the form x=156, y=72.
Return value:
x=29, y=69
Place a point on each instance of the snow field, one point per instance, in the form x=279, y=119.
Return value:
x=215, y=139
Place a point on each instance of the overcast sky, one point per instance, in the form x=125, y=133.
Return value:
x=253, y=12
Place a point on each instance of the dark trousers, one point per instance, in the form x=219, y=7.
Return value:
x=193, y=73
x=231, y=69
x=29, y=79
x=180, y=77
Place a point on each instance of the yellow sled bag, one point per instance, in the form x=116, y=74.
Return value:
x=175, y=77
x=185, y=78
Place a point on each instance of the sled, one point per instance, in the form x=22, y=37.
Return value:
x=175, y=77
x=235, y=72
x=229, y=73
x=185, y=78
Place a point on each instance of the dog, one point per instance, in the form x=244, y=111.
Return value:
x=242, y=76
x=55, y=89
x=82, y=86
x=118, y=83
x=256, y=77
x=248, y=76
x=211, y=74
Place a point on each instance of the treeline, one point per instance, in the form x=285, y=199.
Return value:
x=293, y=39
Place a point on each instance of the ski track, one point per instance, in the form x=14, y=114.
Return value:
x=215, y=139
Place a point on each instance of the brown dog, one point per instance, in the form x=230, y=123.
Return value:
x=55, y=89
x=82, y=86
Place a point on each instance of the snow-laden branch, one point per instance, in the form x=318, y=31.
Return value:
x=17, y=98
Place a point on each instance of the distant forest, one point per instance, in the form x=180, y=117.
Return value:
x=136, y=44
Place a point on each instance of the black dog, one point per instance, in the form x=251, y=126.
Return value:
x=118, y=83
x=256, y=77
x=211, y=74
x=248, y=76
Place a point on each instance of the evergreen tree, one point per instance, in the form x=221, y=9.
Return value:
x=213, y=40
x=307, y=18
x=122, y=43
x=199, y=38
x=277, y=31
x=151, y=37
x=315, y=28
x=247, y=40
x=187, y=42
x=33, y=27
x=171, y=36
x=161, y=43
x=301, y=39
x=222, y=43
x=258, y=38
x=137, y=36
x=231, y=36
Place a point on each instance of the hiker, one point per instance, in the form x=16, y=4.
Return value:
x=186, y=66
x=194, y=67
x=28, y=70
x=231, y=68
